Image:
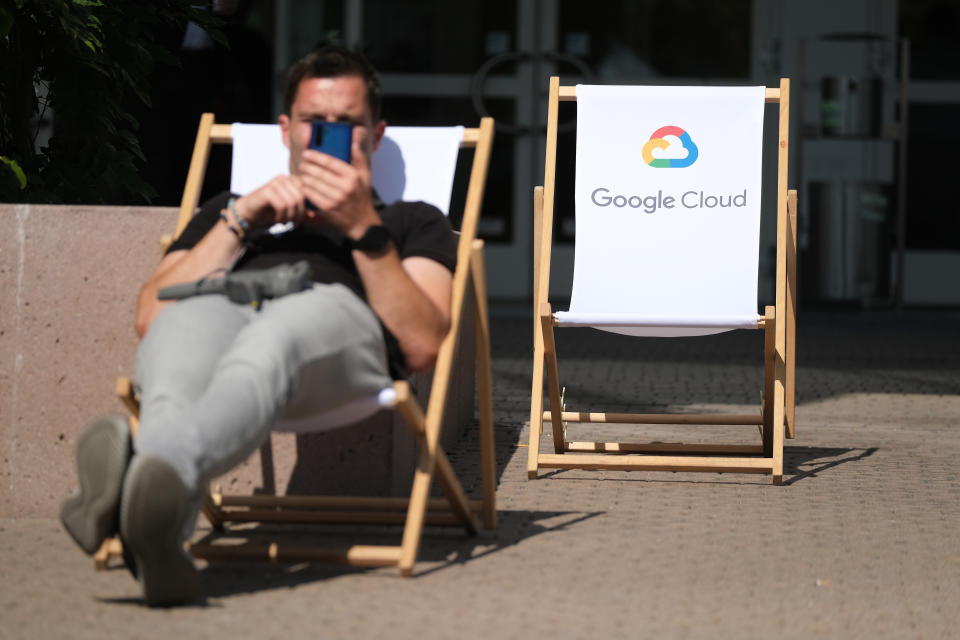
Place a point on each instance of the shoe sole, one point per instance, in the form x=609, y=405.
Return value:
x=90, y=514
x=154, y=507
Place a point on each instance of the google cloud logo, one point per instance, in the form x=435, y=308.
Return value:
x=670, y=147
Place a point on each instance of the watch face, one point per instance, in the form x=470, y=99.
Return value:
x=375, y=239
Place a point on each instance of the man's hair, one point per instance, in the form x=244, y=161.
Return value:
x=334, y=61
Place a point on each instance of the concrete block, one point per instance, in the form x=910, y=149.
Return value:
x=69, y=278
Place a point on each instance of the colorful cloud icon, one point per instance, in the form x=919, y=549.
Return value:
x=674, y=149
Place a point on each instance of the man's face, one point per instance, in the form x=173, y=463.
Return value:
x=340, y=99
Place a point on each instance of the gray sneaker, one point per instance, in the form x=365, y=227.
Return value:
x=90, y=514
x=153, y=511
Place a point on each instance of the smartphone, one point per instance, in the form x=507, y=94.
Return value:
x=332, y=138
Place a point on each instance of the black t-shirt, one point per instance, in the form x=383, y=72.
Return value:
x=417, y=229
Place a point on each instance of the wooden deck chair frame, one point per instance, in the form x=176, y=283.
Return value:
x=776, y=417
x=419, y=509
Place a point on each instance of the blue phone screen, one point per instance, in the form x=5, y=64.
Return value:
x=332, y=138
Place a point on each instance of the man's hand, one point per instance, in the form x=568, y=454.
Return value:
x=280, y=200
x=340, y=191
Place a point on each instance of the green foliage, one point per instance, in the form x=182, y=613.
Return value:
x=92, y=60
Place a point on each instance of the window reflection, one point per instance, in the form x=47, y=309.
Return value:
x=417, y=36
x=650, y=38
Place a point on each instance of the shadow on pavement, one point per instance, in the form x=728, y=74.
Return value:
x=440, y=550
x=800, y=463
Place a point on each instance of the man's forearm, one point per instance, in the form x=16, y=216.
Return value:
x=218, y=250
x=417, y=321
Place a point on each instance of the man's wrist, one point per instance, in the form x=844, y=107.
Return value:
x=233, y=220
x=238, y=207
x=359, y=229
x=376, y=239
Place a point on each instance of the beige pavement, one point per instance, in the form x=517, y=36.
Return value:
x=862, y=541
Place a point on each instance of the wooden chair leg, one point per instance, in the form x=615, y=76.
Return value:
x=778, y=425
x=536, y=408
x=791, y=318
x=769, y=370
x=416, y=513
x=213, y=512
x=553, y=379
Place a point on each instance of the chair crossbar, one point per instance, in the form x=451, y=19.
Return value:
x=661, y=447
x=333, y=517
x=354, y=555
x=345, y=503
x=636, y=462
x=569, y=94
x=657, y=418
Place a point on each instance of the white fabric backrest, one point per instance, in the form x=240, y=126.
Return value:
x=667, y=209
x=412, y=163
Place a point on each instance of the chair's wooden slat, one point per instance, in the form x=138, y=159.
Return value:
x=442, y=369
x=416, y=512
x=781, y=281
x=422, y=478
x=553, y=377
x=542, y=272
x=127, y=394
x=662, y=447
x=342, y=503
x=537, y=229
x=659, y=418
x=355, y=555
x=221, y=134
x=536, y=393
x=468, y=232
x=488, y=461
x=471, y=136
x=568, y=93
x=769, y=371
x=536, y=406
x=640, y=462
x=334, y=517
x=549, y=193
x=791, y=315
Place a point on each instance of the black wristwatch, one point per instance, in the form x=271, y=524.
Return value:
x=375, y=239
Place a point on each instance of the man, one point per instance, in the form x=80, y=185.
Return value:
x=214, y=375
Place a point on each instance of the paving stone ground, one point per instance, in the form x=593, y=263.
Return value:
x=861, y=541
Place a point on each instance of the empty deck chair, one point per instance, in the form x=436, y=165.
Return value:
x=668, y=212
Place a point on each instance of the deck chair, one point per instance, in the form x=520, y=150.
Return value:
x=667, y=202
x=414, y=163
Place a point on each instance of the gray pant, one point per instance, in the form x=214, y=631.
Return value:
x=214, y=375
